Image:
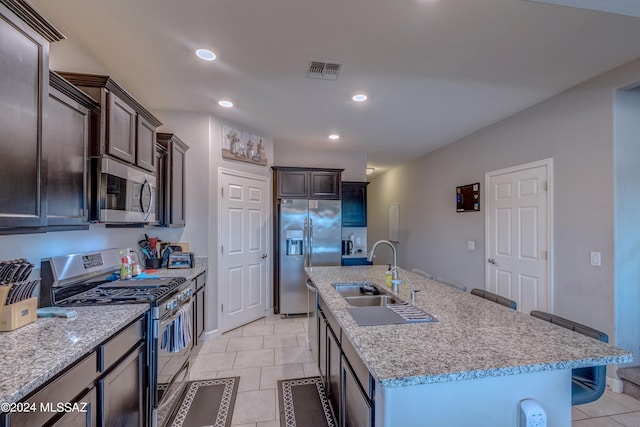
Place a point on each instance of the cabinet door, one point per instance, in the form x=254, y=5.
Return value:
x=200, y=314
x=334, y=359
x=178, y=181
x=292, y=184
x=24, y=82
x=121, y=129
x=146, y=144
x=65, y=147
x=162, y=198
x=86, y=416
x=322, y=349
x=324, y=185
x=122, y=392
x=354, y=204
x=357, y=410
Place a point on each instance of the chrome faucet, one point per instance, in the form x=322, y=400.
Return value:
x=394, y=270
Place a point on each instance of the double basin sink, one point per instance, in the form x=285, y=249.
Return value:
x=374, y=307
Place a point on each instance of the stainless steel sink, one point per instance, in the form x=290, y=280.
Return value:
x=356, y=289
x=371, y=300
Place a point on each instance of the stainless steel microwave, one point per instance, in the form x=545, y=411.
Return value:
x=124, y=193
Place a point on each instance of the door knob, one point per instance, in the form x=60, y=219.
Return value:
x=491, y=261
x=263, y=256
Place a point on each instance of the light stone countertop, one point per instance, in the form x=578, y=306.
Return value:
x=473, y=337
x=35, y=353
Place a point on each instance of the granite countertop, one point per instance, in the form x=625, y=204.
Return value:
x=473, y=337
x=200, y=265
x=35, y=353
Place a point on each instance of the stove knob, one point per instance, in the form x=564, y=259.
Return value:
x=181, y=297
x=171, y=304
x=189, y=292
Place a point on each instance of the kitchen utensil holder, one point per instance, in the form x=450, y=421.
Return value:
x=153, y=263
x=19, y=314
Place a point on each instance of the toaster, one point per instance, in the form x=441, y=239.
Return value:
x=180, y=260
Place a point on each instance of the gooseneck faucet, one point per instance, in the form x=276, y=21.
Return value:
x=394, y=270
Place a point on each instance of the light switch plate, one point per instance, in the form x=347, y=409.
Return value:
x=471, y=245
x=595, y=259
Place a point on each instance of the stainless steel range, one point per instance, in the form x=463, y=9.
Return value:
x=92, y=279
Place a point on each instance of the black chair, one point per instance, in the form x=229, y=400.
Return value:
x=494, y=298
x=587, y=384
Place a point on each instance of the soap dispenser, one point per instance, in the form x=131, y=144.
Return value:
x=388, y=276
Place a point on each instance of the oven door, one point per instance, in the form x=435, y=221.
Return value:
x=173, y=348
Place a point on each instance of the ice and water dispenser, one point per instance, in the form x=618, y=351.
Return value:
x=294, y=239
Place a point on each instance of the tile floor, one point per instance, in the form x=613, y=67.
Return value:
x=272, y=349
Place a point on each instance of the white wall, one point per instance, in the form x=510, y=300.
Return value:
x=575, y=129
x=627, y=226
x=354, y=164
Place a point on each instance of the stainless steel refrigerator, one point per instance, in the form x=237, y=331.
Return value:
x=310, y=235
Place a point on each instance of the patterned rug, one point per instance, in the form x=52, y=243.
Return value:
x=303, y=403
x=207, y=403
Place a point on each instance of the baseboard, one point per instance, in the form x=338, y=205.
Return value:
x=269, y=312
x=614, y=384
x=209, y=335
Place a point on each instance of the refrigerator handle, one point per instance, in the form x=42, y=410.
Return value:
x=305, y=243
x=310, y=242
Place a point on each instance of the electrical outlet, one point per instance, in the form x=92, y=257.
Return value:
x=532, y=414
x=595, y=259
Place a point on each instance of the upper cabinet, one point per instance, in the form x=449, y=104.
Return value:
x=24, y=89
x=307, y=183
x=354, y=204
x=127, y=129
x=67, y=131
x=171, y=180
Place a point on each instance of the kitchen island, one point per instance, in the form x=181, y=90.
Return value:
x=471, y=367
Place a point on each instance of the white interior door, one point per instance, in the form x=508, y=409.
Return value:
x=518, y=230
x=243, y=272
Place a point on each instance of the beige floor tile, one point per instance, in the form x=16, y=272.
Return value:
x=311, y=370
x=216, y=345
x=213, y=362
x=244, y=343
x=626, y=400
x=285, y=356
x=606, y=405
x=254, y=407
x=243, y=425
x=596, y=422
x=288, y=328
x=302, y=340
x=279, y=341
x=274, y=423
x=237, y=332
x=202, y=375
x=254, y=358
x=632, y=419
x=249, y=378
x=271, y=374
x=577, y=414
x=257, y=330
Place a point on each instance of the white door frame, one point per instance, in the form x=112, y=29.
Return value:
x=550, y=255
x=269, y=240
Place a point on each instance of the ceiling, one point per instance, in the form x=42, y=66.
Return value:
x=434, y=70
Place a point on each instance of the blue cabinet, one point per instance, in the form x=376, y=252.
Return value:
x=354, y=204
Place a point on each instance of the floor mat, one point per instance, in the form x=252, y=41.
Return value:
x=207, y=403
x=303, y=403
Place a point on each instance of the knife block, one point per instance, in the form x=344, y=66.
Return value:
x=16, y=315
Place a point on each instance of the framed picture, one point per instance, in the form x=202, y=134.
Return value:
x=468, y=198
x=243, y=146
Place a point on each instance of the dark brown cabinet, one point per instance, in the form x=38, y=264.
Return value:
x=354, y=204
x=24, y=86
x=86, y=416
x=126, y=128
x=172, y=191
x=65, y=148
x=199, y=313
x=307, y=183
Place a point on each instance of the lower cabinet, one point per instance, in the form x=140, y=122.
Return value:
x=357, y=408
x=122, y=392
x=199, y=313
x=348, y=384
x=108, y=387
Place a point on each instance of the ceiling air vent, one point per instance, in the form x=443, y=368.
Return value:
x=324, y=70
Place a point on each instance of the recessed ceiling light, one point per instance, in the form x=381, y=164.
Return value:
x=334, y=136
x=370, y=170
x=205, y=54
x=225, y=104
x=359, y=98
